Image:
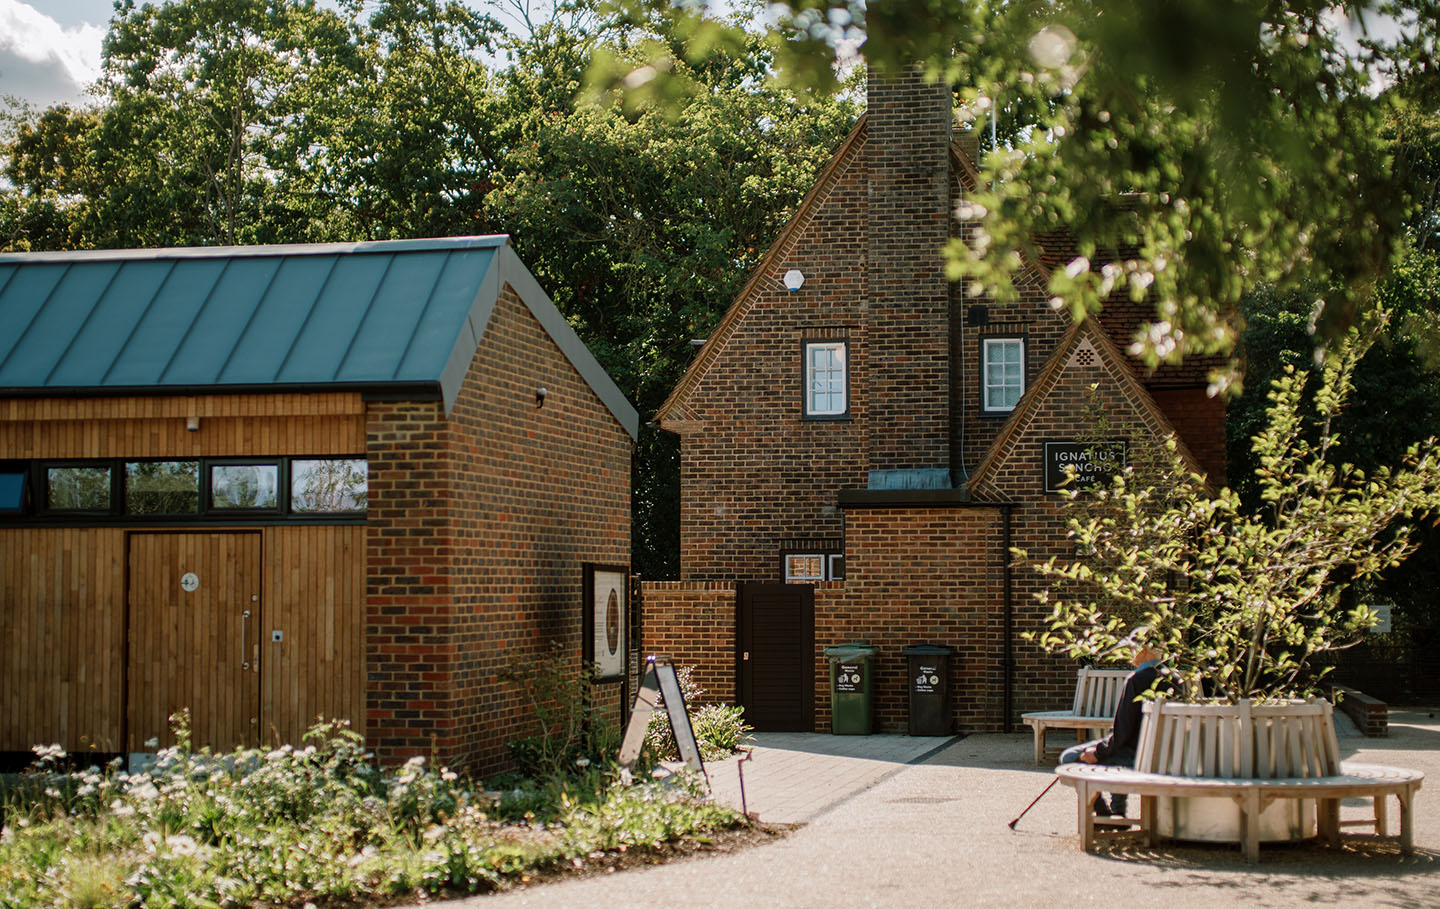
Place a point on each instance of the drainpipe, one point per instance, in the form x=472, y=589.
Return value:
x=1008, y=660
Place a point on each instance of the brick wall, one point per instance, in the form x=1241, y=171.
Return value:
x=694, y=625
x=920, y=576
x=908, y=295
x=1200, y=421
x=754, y=472
x=478, y=529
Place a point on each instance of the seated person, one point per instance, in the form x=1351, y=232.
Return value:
x=1119, y=746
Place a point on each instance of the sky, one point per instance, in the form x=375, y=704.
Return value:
x=50, y=49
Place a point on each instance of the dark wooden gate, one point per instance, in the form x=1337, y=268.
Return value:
x=775, y=631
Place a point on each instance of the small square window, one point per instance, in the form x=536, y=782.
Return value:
x=1002, y=369
x=836, y=566
x=329, y=486
x=77, y=487
x=804, y=567
x=245, y=486
x=827, y=379
x=12, y=490
x=162, y=487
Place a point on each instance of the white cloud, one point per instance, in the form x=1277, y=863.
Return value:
x=43, y=61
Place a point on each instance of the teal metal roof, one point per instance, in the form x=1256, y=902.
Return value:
x=354, y=315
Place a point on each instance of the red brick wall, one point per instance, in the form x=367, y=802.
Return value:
x=1199, y=420
x=908, y=294
x=754, y=472
x=478, y=529
x=920, y=576
x=694, y=625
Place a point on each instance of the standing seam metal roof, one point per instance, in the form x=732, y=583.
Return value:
x=357, y=315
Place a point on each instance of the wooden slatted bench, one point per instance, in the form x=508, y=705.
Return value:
x=1097, y=694
x=1247, y=755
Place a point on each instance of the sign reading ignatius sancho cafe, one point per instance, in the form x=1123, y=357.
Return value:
x=1092, y=462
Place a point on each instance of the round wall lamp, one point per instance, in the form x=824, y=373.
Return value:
x=794, y=280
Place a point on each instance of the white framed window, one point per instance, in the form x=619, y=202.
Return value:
x=1002, y=367
x=827, y=379
x=807, y=567
x=801, y=567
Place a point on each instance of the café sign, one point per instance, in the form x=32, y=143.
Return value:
x=1092, y=462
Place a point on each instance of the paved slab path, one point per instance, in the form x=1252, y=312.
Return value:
x=881, y=831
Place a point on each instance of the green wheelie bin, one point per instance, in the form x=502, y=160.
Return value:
x=852, y=689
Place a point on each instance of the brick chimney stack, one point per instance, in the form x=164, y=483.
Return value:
x=909, y=300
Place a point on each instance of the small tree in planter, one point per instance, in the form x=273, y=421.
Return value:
x=1240, y=601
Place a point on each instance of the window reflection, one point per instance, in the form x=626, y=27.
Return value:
x=328, y=486
x=162, y=487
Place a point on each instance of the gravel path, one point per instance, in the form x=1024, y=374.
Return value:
x=935, y=833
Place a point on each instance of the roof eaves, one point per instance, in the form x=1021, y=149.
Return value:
x=512, y=271
x=741, y=304
x=488, y=241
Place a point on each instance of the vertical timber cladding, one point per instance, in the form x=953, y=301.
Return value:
x=194, y=619
x=63, y=590
x=62, y=638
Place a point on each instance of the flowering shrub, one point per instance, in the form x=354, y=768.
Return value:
x=719, y=729
x=319, y=822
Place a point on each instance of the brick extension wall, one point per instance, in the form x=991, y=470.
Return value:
x=478, y=529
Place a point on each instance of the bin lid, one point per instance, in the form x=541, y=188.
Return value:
x=929, y=650
x=849, y=651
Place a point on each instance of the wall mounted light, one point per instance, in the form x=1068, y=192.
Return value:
x=540, y=394
x=192, y=424
x=794, y=280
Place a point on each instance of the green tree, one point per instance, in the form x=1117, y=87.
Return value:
x=1247, y=141
x=1243, y=600
x=645, y=226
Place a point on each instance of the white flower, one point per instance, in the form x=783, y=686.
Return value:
x=582, y=762
x=434, y=832
x=153, y=742
x=181, y=844
x=449, y=775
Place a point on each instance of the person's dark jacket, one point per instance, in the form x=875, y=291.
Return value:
x=1119, y=746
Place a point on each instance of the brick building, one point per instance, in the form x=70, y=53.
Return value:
x=268, y=484
x=862, y=444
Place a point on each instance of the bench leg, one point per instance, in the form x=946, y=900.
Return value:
x=1327, y=820
x=1382, y=816
x=1148, y=826
x=1407, y=819
x=1085, y=800
x=1250, y=825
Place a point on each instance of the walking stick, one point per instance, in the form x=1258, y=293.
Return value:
x=1032, y=804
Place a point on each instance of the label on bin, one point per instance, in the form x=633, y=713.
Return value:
x=850, y=678
x=927, y=680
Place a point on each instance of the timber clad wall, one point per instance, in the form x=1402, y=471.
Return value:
x=63, y=635
x=514, y=499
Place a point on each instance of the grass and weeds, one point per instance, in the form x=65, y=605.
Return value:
x=322, y=823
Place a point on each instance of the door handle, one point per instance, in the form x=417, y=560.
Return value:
x=745, y=655
x=244, y=622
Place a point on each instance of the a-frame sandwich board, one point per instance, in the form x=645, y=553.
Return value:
x=659, y=679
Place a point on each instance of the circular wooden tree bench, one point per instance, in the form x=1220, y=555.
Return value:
x=1252, y=754
x=1252, y=796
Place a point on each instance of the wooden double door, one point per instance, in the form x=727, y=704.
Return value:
x=193, y=605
